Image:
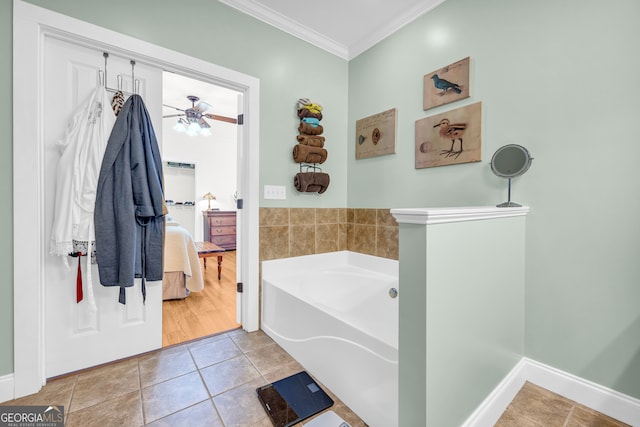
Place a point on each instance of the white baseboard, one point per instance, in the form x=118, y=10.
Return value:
x=491, y=409
x=609, y=402
x=6, y=388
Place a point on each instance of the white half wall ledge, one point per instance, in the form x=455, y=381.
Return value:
x=602, y=399
x=442, y=215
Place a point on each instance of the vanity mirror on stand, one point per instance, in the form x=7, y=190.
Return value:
x=509, y=162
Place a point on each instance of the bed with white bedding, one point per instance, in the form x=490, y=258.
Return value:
x=182, y=271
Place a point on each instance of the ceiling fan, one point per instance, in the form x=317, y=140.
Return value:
x=195, y=115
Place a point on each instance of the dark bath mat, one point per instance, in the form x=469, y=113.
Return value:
x=293, y=399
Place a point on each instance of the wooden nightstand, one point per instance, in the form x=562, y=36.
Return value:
x=220, y=228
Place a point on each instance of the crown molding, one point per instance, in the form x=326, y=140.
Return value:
x=377, y=36
x=288, y=25
x=284, y=23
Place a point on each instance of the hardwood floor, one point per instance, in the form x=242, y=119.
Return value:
x=203, y=313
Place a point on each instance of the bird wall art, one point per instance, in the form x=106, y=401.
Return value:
x=376, y=134
x=454, y=132
x=447, y=84
x=449, y=138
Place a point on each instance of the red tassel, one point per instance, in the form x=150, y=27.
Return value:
x=79, y=295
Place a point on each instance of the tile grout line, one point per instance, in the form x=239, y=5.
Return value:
x=144, y=415
x=73, y=389
x=566, y=422
x=375, y=231
x=215, y=407
x=197, y=369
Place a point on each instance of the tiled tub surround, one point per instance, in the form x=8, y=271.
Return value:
x=289, y=232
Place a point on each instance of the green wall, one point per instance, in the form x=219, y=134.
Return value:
x=6, y=192
x=561, y=78
x=412, y=367
x=474, y=287
x=287, y=67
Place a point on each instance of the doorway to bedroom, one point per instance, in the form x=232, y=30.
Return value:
x=98, y=339
x=199, y=150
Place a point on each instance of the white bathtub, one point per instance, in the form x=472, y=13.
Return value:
x=333, y=313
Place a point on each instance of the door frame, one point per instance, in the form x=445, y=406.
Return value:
x=31, y=25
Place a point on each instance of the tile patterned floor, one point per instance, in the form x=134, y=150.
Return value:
x=535, y=406
x=209, y=382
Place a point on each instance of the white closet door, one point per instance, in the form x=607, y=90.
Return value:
x=77, y=337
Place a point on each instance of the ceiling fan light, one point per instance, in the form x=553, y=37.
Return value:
x=193, y=120
x=193, y=129
x=192, y=115
x=202, y=106
x=179, y=126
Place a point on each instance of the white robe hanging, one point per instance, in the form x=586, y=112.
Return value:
x=82, y=150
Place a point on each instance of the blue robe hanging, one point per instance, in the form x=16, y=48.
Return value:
x=129, y=211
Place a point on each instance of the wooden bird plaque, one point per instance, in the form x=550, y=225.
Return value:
x=447, y=84
x=376, y=135
x=450, y=138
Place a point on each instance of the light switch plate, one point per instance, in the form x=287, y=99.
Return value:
x=275, y=192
